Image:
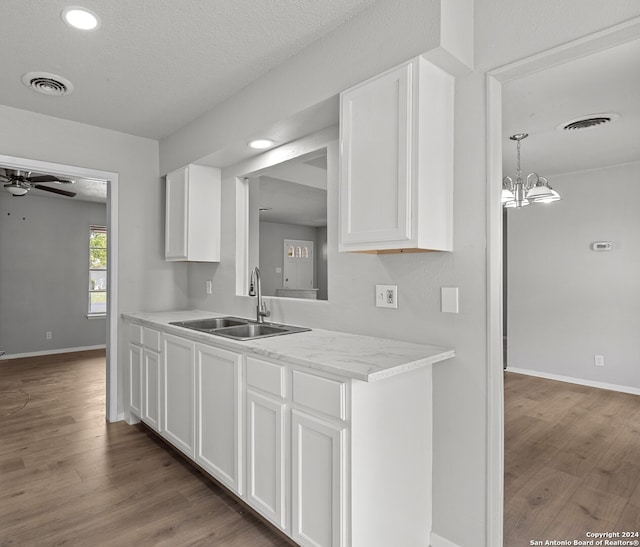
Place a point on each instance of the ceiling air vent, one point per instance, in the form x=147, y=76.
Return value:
x=47, y=84
x=588, y=121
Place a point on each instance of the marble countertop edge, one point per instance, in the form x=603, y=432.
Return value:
x=354, y=356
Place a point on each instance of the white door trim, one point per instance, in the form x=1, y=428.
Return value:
x=599, y=41
x=112, y=272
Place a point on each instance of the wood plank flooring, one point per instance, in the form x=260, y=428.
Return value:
x=572, y=465
x=67, y=477
x=572, y=461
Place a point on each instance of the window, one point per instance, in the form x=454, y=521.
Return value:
x=97, y=270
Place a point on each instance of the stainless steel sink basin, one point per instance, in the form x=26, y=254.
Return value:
x=238, y=328
x=211, y=323
x=252, y=330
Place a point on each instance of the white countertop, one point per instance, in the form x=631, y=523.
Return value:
x=350, y=355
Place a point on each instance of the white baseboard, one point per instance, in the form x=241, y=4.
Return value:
x=439, y=541
x=579, y=381
x=51, y=352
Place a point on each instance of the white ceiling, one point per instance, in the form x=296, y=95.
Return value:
x=154, y=65
x=607, y=81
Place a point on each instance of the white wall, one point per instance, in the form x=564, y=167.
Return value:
x=504, y=32
x=44, y=276
x=567, y=303
x=146, y=281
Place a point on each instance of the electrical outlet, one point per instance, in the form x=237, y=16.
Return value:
x=49, y=335
x=386, y=296
x=209, y=286
x=598, y=360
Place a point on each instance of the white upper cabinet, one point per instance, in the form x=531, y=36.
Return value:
x=192, y=222
x=396, y=161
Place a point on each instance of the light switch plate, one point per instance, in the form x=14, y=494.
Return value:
x=449, y=299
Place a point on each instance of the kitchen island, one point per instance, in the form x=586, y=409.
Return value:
x=327, y=435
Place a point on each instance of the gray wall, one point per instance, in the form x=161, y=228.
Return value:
x=44, y=260
x=146, y=280
x=567, y=303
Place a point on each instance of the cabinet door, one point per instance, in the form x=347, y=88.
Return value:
x=151, y=389
x=376, y=159
x=135, y=380
x=178, y=403
x=218, y=414
x=176, y=218
x=266, y=485
x=318, y=483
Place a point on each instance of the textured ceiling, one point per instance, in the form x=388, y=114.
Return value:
x=154, y=65
x=607, y=81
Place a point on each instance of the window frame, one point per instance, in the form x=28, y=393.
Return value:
x=99, y=229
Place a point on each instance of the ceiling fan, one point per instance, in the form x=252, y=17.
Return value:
x=20, y=182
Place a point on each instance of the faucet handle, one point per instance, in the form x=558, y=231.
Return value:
x=264, y=312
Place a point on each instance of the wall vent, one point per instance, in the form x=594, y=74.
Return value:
x=586, y=122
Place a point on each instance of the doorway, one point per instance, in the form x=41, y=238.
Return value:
x=71, y=172
x=495, y=397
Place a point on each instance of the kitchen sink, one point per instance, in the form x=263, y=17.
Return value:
x=211, y=323
x=238, y=328
x=253, y=330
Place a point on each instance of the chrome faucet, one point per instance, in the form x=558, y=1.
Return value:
x=255, y=289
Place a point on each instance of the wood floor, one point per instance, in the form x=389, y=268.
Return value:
x=572, y=461
x=572, y=465
x=69, y=478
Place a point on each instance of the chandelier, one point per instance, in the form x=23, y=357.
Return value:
x=521, y=192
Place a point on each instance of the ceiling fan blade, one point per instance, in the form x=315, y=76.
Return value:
x=46, y=178
x=55, y=190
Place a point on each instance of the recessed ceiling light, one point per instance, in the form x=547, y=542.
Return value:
x=261, y=144
x=80, y=18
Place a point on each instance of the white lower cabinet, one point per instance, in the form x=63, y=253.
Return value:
x=178, y=401
x=219, y=413
x=330, y=461
x=317, y=481
x=151, y=389
x=265, y=455
x=144, y=377
x=135, y=380
x=296, y=451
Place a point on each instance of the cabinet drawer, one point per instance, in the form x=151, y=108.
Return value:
x=151, y=339
x=266, y=376
x=318, y=393
x=135, y=333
